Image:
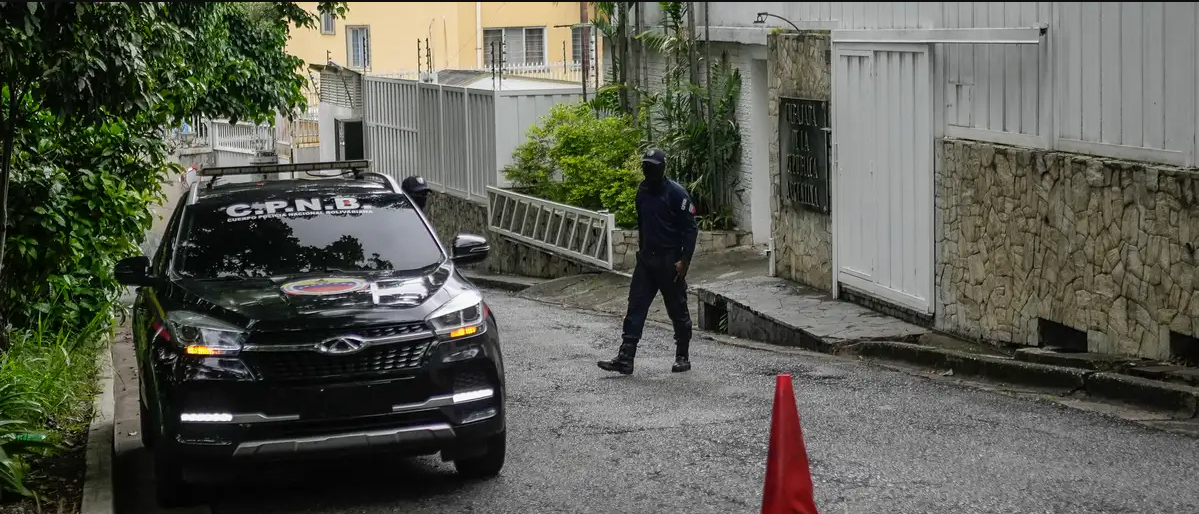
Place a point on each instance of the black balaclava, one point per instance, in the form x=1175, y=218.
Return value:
x=419, y=198
x=653, y=165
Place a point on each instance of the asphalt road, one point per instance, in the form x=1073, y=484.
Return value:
x=880, y=441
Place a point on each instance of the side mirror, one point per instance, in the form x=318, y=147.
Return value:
x=470, y=249
x=133, y=271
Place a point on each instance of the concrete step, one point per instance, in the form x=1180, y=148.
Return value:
x=775, y=311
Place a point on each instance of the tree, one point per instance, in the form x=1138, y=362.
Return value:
x=141, y=66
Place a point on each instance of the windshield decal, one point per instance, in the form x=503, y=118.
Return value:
x=296, y=207
x=324, y=286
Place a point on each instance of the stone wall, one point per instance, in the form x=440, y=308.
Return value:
x=625, y=245
x=451, y=215
x=1103, y=246
x=803, y=240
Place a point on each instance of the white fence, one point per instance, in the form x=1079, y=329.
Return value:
x=457, y=138
x=1115, y=79
x=578, y=234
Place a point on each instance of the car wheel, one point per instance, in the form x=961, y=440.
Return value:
x=490, y=463
x=147, y=425
x=170, y=489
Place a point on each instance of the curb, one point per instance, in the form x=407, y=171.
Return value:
x=496, y=282
x=97, y=482
x=1177, y=398
x=1181, y=401
x=969, y=364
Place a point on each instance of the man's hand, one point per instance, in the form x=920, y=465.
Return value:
x=680, y=270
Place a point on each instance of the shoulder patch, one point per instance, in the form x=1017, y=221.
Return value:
x=686, y=205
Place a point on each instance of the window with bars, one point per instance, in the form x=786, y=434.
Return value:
x=576, y=44
x=358, y=47
x=327, y=24
x=525, y=46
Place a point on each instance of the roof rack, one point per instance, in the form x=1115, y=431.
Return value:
x=357, y=167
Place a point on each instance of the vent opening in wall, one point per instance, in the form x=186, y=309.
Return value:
x=1058, y=337
x=1184, y=348
x=714, y=317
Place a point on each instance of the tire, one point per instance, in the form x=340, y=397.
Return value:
x=170, y=489
x=490, y=463
x=147, y=425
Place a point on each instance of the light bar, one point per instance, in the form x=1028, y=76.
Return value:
x=470, y=396
x=360, y=164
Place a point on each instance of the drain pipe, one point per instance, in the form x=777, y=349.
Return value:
x=770, y=256
x=479, y=33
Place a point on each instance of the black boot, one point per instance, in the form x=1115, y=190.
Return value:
x=681, y=364
x=623, y=363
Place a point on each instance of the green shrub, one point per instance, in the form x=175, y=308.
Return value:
x=577, y=158
x=78, y=202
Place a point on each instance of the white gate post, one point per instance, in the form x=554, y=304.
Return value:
x=610, y=221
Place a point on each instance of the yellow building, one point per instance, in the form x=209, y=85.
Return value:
x=382, y=38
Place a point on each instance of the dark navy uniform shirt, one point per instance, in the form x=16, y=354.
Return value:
x=666, y=220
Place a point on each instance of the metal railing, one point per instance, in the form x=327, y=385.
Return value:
x=571, y=72
x=568, y=231
x=241, y=137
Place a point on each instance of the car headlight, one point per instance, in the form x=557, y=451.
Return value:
x=463, y=316
x=202, y=335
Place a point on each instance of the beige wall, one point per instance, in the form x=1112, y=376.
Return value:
x=451, y=28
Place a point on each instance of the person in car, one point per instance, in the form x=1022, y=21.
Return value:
x=416, y=187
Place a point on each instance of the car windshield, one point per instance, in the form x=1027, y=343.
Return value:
x=304, y=234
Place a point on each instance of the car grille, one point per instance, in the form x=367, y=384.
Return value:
x=303, y=365
x=275, y=338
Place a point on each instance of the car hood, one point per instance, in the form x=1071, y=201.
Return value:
x=328, y=300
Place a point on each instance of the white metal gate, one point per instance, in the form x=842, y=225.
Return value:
x=883, y=137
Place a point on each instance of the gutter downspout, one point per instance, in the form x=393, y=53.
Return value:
x=479, y=34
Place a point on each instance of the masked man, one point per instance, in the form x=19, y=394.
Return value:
x=667, y=231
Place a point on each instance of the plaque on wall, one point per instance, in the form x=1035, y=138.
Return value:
x=804, y=153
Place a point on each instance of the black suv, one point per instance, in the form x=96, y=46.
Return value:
x=301, y=317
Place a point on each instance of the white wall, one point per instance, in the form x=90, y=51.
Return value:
x=327, y=115
x=518, y=111
x=759, y=146
x=1114, y=79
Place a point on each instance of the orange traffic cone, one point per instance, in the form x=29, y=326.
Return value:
x=788, y=478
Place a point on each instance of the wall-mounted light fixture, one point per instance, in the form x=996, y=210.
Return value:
x=761, y=19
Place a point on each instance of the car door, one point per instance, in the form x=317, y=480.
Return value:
x=147, y=309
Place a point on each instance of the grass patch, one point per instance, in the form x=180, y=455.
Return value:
x=47, y=386
x=56, y=371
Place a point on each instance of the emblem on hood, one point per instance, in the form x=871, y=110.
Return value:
x=341, y=345
x=324, y=286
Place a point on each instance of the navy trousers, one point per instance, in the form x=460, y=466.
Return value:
x=655, y=273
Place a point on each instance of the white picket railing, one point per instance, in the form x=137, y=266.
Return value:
x=241, y=137
x=564, y=230
x=569, y=72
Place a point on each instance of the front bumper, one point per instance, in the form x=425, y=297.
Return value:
x=435, y=425
x=447, y=406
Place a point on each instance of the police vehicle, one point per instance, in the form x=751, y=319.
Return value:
x=295, y=318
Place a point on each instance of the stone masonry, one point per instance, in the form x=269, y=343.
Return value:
x=625, y=244
x=802, y=239
x=1103, y=246
x=452, y=215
